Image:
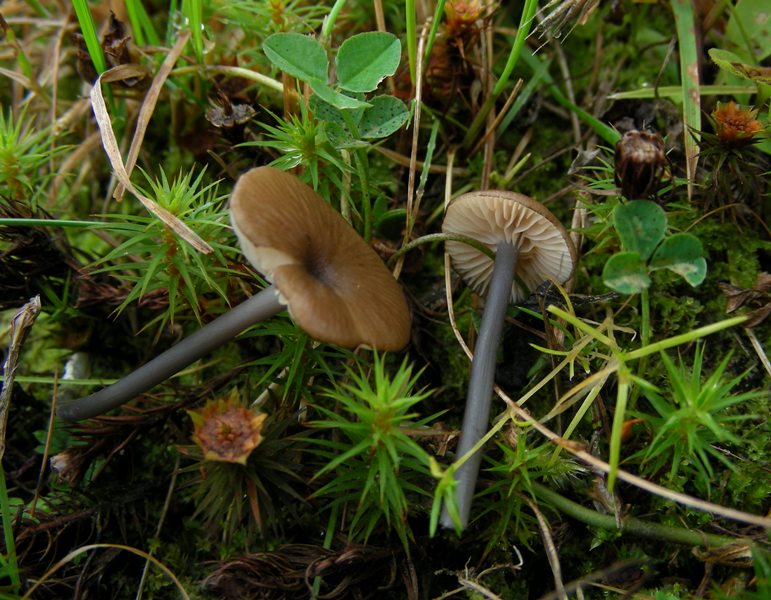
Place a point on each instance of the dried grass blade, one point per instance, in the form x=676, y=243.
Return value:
x=20, y=324
x=148, y=107
x=116, y=160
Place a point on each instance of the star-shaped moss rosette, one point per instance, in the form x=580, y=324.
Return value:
x=226, y=431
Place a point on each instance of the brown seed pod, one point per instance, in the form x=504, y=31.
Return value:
x=640, y=164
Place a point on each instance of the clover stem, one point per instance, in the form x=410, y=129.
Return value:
x=480, y=390
x=645, y=317
x=224, y=328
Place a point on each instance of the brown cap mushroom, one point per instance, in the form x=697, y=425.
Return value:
x=544, y=248
x=530, y=247
x=333, y=283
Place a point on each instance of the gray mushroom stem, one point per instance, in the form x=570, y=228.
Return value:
x=259, y=307
x=480, y=390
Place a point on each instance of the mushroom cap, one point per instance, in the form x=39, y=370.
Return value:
x=545, y=250
x=333, y=283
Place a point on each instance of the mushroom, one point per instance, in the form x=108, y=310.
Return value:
x=332, y=282
x=531, y=246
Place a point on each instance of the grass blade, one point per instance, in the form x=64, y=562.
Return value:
x=689, y=77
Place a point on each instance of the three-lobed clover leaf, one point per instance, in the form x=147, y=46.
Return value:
x=362, y=62
x=641, y=226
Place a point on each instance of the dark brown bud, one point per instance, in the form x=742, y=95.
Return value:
x=640, y=164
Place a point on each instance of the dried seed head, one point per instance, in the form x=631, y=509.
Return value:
x=227, y=431
x=734, y=125
x=640, y=163
x=461, y=20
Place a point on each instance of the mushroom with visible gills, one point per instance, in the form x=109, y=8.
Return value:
x=531, y=246
x=332, y=282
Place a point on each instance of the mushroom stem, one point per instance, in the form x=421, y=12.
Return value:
x=480, y=390
x=224, y=328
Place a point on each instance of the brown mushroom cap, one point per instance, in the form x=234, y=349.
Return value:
x=334, y=284
x=545, y=250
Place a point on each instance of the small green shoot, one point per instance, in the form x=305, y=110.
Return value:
x=25, y=150
x=619, y=365
x=525, y=23
x=378, y=463
x=304, y=140
x=9, y=567
x=193, y=12
x=691, y=416
x=162, y=260
x=444, y=495
x=88, y=29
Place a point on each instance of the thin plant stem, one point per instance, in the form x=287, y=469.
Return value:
x=606, y=132
x=329, y=537
x=49, y=223
x=643, y=484
x=645, y=338
x=90, y=36
x=630, y=525
x=331, y=18
x=38, y=8
x=443, y=237
x=362, y=170
x=528, y=12
x=675, y=91
x=88, y=29
x=165, y=511
x=652, y=348
x=645, y=317
x=193, y=11
x=141, y=24
x=622, y=394
x=438, y=12
x=412, y=37
x=684, y=338
x=21, y=56
x=10, y=546
x=366, y=201
x=480, y=390
x=136, y=29
x=83, y=549
x=249, y=74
